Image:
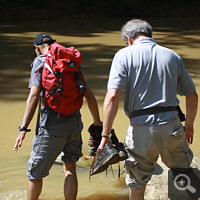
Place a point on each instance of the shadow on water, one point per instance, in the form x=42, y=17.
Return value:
x=106, y=196
x=16, y=52
x=120, y=184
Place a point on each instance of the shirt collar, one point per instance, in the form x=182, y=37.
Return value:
x=145, y=41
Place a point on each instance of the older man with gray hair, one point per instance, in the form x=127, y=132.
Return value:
x=151, y=76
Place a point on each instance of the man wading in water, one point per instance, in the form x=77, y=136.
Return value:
x=151, y=76
x=55, y=134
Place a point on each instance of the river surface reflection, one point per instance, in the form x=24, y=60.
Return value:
x=97, y=40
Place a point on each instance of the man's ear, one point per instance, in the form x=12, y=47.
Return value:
x=130, y=41
x=37, y=47
x=37, y=50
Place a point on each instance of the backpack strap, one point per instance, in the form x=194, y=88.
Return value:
x=39, y=106
x=80, y=83
x=48, y=67
x=38, y=116
x=41, y=100
x=57, y=88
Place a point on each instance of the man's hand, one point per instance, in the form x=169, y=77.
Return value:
x=189, y=135
x=19, y=139
x=104, y=140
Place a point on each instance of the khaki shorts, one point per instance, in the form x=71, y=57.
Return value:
x=145, y=143
x=48, y=145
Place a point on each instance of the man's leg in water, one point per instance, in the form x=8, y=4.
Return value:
x=137, y=194
x=34, y=189
x=71, y=182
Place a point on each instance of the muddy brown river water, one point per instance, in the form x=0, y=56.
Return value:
x=97, y=40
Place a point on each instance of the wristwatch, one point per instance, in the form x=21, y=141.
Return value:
x=22, y=128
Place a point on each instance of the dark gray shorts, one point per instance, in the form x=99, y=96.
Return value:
x=145, y=143
x=48, y=144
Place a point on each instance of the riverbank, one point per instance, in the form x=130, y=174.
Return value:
x=157, y=188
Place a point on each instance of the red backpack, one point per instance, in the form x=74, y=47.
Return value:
x=62, y=79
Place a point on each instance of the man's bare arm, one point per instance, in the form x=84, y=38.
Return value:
x=93, y=107
x=191, y=110
x=31, y=105
x=110, y=109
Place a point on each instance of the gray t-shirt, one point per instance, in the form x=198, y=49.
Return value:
x=150, y=75
x=49, y=119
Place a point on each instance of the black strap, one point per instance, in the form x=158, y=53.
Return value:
x=152, y=110
x=180, y=114
x=38, y=116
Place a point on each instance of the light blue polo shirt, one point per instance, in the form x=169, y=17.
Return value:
x=150, y=75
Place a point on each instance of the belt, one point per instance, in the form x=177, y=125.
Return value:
x=153, y=110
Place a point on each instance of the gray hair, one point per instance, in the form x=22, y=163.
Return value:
x=134, y=28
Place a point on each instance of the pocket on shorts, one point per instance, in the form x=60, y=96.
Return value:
x=188, y=152
x=131, y=168
x=175, y=140
x=78, y=127
x=32, y=167
x=32, y=164
x=178, y=133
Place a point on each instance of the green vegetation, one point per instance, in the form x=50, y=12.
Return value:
x=90, y=4
x=103, y=8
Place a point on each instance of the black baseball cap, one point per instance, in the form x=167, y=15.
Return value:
x=39, y=39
